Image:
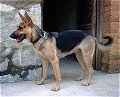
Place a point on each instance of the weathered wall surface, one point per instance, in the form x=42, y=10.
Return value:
x=20, y=3
x=17, y=61
x=111, y=58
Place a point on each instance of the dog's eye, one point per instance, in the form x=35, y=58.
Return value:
x=24, y=26
x=19, y=27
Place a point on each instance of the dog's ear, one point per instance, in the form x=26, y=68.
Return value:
x=27, y=16
x=22, y=18
x=28, y=19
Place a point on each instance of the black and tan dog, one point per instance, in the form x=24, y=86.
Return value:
x=52, y=48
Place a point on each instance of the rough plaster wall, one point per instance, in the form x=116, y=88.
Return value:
x=17, y=61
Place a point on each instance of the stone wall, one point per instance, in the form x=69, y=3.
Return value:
x=111, y=58
x=17, y=61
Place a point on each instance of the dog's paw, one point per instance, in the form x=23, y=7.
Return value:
x=78, y=79
x=86, y=84
x=39, y=82
x=56, y=88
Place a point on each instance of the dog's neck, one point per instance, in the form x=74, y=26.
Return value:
x=38, y=39
x=35, y=35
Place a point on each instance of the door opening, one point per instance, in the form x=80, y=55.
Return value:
x=59, y=15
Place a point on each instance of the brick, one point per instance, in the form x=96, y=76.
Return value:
x=114, y=18
x=113, y=57
x=112, y=67
x=105, y=60
x=114, y=2
x=112, y=7
x=111, y=18
x=113, y=54
x=105, y=67
x=114, y=27
x=116, y=35
x=105, y=55
x=107, y=3
x=107, y=27
x=114, y=13
x=106, y=52
x=116, y=42
x=115, y=7
x=119, y=42
x=111, y=27
x=107, y=8
x=115, y=24
x=117, y=70
x=107, y=16
x=114, y=50
x=114, y=63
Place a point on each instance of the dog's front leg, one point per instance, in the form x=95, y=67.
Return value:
x=44, y=71
x=56, y=68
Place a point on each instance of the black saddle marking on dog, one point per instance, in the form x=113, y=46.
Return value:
x=69, y=39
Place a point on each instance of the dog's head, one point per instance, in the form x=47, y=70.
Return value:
x=24, y=29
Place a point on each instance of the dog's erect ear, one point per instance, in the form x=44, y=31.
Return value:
x=28, y=19
x=22, y=18
x=27, y=16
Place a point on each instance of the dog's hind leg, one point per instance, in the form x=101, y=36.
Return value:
x=88, y=48
x=88, y=61
x=80, y=59
x=44, y=71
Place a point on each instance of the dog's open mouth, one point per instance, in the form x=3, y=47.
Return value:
x=21, y=38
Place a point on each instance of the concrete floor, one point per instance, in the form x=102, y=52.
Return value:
x=103, y=84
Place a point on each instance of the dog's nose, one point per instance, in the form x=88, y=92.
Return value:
x=12, y=35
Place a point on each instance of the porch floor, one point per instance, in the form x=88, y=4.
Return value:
x=103, y=84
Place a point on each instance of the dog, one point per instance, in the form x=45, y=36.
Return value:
x=52, y=48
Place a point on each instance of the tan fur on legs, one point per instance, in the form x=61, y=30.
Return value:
x=88, y=61
x=44, y=71
x=56, y=69
x=87, y=52
x=80, y=59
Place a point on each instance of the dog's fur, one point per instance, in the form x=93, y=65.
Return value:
x=51, y=48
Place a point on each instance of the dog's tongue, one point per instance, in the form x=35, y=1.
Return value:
x=17, y=40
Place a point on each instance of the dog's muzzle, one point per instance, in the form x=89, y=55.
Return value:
x=19, y=38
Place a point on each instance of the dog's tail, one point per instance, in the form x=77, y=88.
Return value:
x=106, y=45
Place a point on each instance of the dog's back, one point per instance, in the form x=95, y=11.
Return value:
x=67, y=40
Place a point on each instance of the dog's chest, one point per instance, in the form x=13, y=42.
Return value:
x=47, y=49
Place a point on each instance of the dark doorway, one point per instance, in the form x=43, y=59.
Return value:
x=59, y=15
x=84, y=14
